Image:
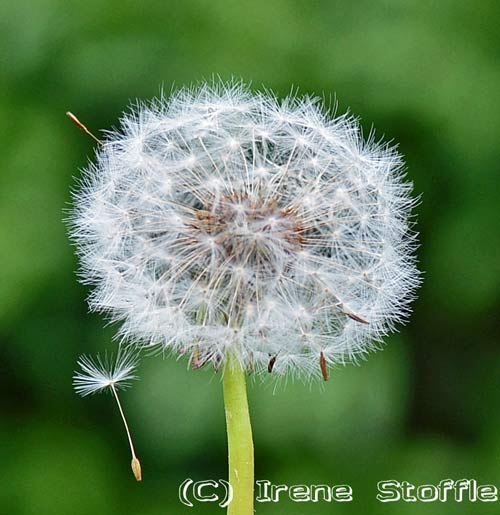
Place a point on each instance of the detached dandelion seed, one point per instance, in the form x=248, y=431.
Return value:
x=250, y=234
x=99, y=375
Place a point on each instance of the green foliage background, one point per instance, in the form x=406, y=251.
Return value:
x=425, y=73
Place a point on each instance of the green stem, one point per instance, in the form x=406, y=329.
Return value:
x=239, y=438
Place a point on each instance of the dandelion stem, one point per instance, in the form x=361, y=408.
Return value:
x=136, y=465
x=239, y=437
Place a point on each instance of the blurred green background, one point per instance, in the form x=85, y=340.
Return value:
x=425, y=73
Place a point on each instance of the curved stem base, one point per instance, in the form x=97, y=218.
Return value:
x=240, y=443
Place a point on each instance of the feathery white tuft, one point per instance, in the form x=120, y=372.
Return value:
x=98, y=374
x=221, y=220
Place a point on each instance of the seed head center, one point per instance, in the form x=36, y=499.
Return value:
x=247, y=230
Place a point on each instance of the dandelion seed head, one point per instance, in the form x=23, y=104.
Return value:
x=220, y=220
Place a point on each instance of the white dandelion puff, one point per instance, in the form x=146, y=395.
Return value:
x=221, y=221
x=98, y=375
